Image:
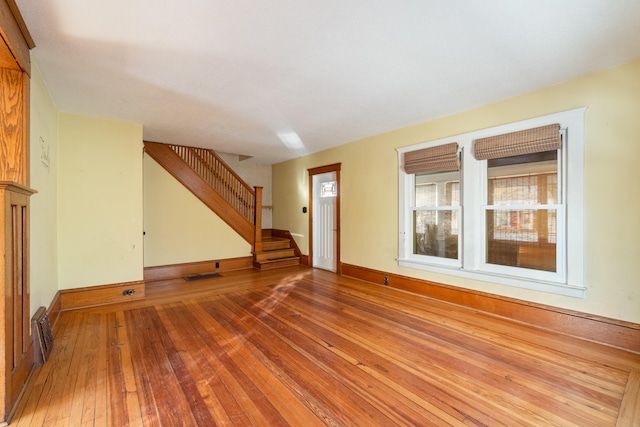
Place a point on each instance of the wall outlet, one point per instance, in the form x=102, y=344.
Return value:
x=128, y=292
x=385, y=281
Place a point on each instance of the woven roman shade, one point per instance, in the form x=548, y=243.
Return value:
x=536, y=140
x=434, y=159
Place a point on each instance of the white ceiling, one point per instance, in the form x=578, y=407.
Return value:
x=277, y=79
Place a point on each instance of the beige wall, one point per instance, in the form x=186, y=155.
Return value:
x=369, y=198
x=99, y=201
x=43, y=217
x=178, y=227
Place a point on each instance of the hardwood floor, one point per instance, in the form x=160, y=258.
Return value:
x=306, y=347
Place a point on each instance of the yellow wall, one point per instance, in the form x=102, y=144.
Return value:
x=99, y=201
x=43, y=215
x=178, y=227
x=369, y=177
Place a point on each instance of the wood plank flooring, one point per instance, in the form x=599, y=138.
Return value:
x=305, y=347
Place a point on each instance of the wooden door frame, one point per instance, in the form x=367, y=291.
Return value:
x=318, y=171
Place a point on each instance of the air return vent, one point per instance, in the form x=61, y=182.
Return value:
x=202, y=276
x=44, y=341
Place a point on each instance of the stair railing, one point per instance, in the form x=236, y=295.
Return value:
x=211, y=168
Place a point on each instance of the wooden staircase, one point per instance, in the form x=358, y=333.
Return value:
x=210, y=179
x=276, y=253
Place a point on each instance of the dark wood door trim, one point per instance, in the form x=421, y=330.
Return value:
x=336, y=167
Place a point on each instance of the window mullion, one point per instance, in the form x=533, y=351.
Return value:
x=521, y=207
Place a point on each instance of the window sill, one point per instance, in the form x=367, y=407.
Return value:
x=518, y=282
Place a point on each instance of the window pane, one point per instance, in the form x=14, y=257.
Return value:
x=552, y=189
x=453, y=193
x=435, y=226
x=517, y=237
x=523, y=238
x=426, y=195
x=433, y=233
x=523, y=180
x=437, y=189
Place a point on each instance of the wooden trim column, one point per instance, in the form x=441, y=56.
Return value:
x=16, y=355
x=257, y=242
x=16, y=351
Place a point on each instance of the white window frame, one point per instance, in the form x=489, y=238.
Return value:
x=569, y=278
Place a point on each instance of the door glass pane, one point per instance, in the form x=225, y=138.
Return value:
x=329, y=189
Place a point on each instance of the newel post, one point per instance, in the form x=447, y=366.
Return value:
x=257, y=245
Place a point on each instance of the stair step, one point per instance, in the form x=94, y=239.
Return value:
x=274, y=254
x=276, y=263
x=274, y=243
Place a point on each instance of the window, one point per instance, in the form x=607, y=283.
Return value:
x=435, y=214
x=328, y=189
x=493, y=205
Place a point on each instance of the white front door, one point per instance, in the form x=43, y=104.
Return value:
x=325, y=194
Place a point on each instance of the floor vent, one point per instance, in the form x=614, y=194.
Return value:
x=193, y=277
x=42, y=327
